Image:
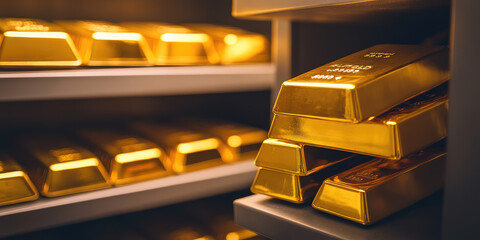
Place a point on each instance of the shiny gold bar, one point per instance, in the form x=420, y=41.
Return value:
x=224, y=228
x=177, y=45
x=296, y=158
x=188, y=150
x=58, y=166
x=404, y=129
x=364, y=84
x=106, y=44
x=295, y=188
x=127, y=157
x=32, y=43
x=381, y=187
x=235, y=45
x=15, y=185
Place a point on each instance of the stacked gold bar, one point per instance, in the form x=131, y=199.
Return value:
x=388, y=101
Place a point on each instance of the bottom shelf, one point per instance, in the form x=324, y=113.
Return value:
x=277, y=219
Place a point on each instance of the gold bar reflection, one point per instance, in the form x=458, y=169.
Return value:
x=15, y=185
x=127, y=157
x=30, y=42
x=404, y=129
x=106, y=44
x=58, y=166
x=364, y=84
x=176, y=45
x=378, y=188
x=188, y=150
x=236, y=45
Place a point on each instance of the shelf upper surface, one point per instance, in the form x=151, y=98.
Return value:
x=51, y=212
x=124, y=82
x=282, y=220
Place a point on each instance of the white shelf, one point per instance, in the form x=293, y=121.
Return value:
x=51, y=212
x=122, y=82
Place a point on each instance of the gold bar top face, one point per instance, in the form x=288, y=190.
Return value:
x=378, y=188
x=15, y=185
x=405, y=129
x=127, y=157
x=59, y=167
x=364, y=84
x=30, y=43
x=106, y=44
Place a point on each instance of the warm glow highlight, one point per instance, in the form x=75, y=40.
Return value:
x=230, y=39
x=320, y=84
x=11, y=174
x=234, y=141
x=138, y=155
x=184, y=37
x=89, y=162
x=117, y=36
x=196, y=146
x=58, y=35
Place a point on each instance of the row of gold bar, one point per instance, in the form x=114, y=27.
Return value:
x=388, y=103
x=31, y=43
x=96, y=158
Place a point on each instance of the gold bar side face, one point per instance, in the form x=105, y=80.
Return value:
x=127, y=157
x=15, y=185
x=58, y=166
x=176, y=45
x=404, y=129
x=35, y=43
x=381, y=187
x=364, y=84
x=188, y=150
x=296, y=158
x=106, y=44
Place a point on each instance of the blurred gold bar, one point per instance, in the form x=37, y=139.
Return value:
x=235, y=45
x=364, y=84
x=296, y=158
x=176, y=45
x=224, y=228
x=404, y=129
x=15, y=185
x=58, y=166
x=188, y=150
x=381, y=187
x=106, y=44
x=295, y=188
x=127, y=157
x=31, y=43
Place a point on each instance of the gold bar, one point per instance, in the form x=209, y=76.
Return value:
x=32, y=43
x=295, y=188
x=404, y=129
x=58, y=166
x=224, y=228
x=176, y=45
x=127, y=157
x=364, y=84
x=235, y=45
x=381, y=187
x=106, y=44
x=15, y=185
x=296, y=158
x=188, y=150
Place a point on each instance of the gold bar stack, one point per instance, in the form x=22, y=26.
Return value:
x=15, y=185
x=388, y=103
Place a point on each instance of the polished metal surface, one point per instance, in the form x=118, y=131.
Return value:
x=15, y=185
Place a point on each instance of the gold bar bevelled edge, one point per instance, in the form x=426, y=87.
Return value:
x=364, y=84
x=35, y=43
x=15, y=185
x=405, y=129
x=58, y=166
x=127, y=157
x=381, y=187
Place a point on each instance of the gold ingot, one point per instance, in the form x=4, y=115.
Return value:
x=404, y=129
x=127, y=157
x=31, y=43
x=106, y=44
x=177, y=45
x=15, y=185
x=296, y=158
x=235, y=45
x=295, y=188
x=364, y=84
x=381, y=187
x=188, y=150
x=58, y=166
